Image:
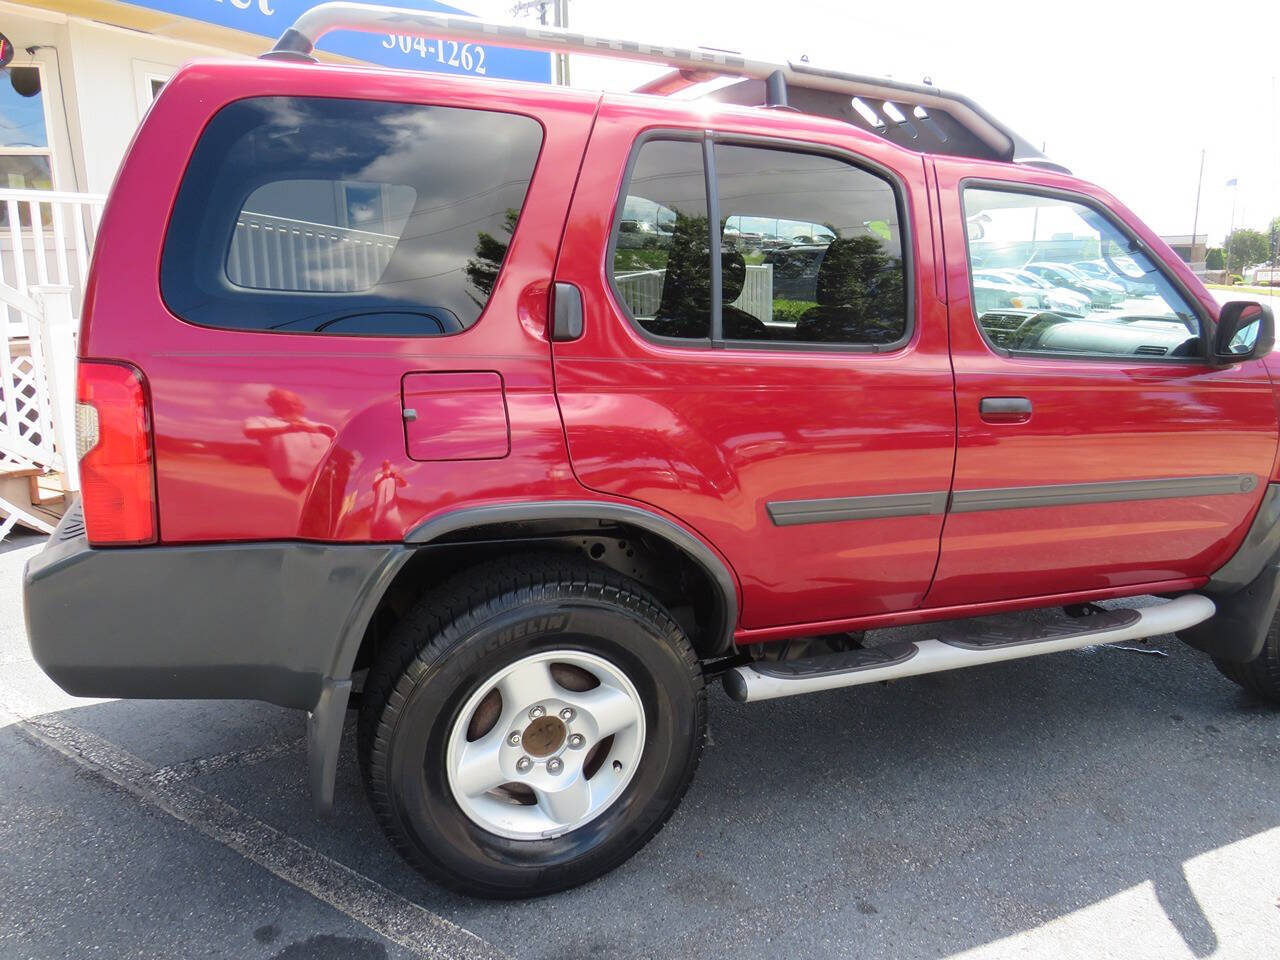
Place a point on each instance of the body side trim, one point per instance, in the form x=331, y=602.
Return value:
x=1066, y=494
x=787, y=513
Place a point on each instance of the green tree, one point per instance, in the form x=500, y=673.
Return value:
x=1215, y=259
x=482, y=269
x=1245, y=248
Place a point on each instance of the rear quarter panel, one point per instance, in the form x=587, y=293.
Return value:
x=208, y=387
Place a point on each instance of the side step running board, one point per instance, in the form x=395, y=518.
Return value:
x=965, y=644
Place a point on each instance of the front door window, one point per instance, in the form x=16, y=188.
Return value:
x=1053, y=276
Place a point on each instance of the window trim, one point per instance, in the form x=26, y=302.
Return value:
x=1083, y=199
x=49, y=149
x=709, y=139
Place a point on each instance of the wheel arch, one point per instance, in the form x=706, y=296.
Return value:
x=477, y=531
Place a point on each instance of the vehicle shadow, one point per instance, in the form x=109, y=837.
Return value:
x=913, y=819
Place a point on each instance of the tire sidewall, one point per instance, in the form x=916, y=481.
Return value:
x=434, y=690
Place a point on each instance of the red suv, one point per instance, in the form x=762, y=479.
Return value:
x=512, y=414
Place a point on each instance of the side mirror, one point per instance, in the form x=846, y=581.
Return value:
x=1246, y=331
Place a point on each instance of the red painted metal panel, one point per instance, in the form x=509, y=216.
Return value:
x=712, y=436
x=264, y=435
x=1092, y=421
x=455, y=416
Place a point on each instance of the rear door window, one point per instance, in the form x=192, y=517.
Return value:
x=337, y=216
x=662, y=242
x=812, y=250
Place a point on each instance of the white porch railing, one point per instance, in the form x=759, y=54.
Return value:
x=277, y=253
x=46, y=241
x=46, y=238
x=643, y=291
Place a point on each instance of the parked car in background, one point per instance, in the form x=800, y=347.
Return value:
x=1098, y=270
x=996, y=293
x=1102, y=294
x=1077, y=303
x=640, y=235
x=1040, y=293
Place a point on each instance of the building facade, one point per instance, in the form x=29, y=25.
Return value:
x=84, y=72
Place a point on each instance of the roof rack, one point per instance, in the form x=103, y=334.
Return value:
x=918, y=117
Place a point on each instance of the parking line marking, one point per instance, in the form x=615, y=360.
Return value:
x=364, y=900
x=188, y=769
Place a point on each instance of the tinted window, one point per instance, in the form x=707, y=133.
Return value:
x=1053, y=276
x=662, y=245
x=812, y=249
x=346, y=216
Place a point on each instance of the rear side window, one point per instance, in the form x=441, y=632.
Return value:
x=349, y=217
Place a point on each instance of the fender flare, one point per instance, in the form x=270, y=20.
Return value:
x=325, y=719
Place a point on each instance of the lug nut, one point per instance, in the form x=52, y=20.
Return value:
x=514, y=739
x=536, y=712
x=566, y=714
x=577, y=740
x=555, y=765
x=523, y=765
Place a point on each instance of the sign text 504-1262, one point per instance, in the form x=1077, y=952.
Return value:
x=464, y=56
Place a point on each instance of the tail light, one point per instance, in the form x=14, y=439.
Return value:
x=113, y=444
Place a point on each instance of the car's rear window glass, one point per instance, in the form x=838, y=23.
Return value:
x=346, y=216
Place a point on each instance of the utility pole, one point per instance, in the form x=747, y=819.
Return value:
x=562, y=59
x=1195, y=223
x=560, y=18
x=1234, y=184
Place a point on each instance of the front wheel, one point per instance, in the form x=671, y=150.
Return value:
x=530, y=726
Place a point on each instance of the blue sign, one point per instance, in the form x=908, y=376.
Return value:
x=270, y=18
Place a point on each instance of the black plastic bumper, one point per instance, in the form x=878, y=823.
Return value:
x=264, y=621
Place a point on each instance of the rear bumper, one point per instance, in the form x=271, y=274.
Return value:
x=264, y=621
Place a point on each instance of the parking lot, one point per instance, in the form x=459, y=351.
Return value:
x=1101, y=803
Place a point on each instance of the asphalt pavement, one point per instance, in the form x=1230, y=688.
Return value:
x=1101, y=803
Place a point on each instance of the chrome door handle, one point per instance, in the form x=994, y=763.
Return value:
x=1005, y=409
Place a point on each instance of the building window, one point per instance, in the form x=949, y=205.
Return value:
x=26, y=161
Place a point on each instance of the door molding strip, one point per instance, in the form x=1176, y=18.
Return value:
x=1068, y=494
x=787, y=513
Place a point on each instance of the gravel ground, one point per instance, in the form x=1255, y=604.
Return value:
x=1100, y=803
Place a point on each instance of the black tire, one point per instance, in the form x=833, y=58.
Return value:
x=1261, y=675
x=461, y=634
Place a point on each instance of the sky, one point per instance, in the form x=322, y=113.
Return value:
x=1126, y=94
